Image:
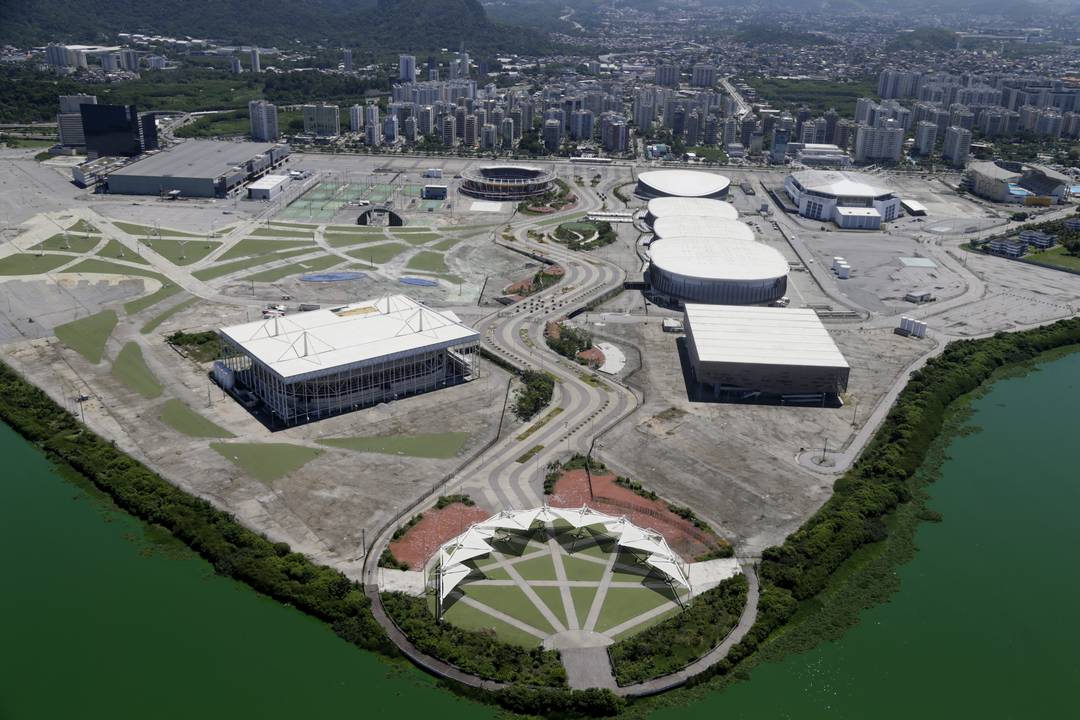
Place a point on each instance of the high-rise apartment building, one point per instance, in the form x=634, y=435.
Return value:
x=703, y=75
x=235, y=66
x=552, y=134
x=925, y=137
x=957, y=146
x=346, y=60
x=256, y=63
x=322, y=120
x=667, y=75
x=356, y=118
x=407, y=68
x=264, y=121
x=448, y=130
x=883, y=142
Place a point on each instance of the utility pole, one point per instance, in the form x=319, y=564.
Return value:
x=824, y=450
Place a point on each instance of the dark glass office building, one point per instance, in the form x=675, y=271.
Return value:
x=117, y=130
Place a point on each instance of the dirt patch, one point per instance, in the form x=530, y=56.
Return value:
x=437, y=526
x=572, y=491
x=593, y=357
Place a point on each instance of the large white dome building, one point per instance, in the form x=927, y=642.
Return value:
x=681, y=183
x=663, y=207
x=717, y=270
x=852, y=200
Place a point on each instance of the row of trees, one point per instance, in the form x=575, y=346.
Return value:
x=534, y=395
x=678, y=641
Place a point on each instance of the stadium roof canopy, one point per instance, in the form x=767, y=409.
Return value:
x=761, y=335
x=697, y=226
x=698, y=207
x=840, y=183
x=710, y=258
x=474, y=542
x=313, y=343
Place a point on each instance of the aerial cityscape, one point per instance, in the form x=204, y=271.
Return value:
x=519, y=358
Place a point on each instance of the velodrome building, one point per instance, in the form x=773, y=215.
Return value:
x=852, y=200
x=664, y=207
x=681, y=184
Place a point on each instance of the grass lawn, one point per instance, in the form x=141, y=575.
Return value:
x=228, y=268
x=537, y=568
x=137, y=306
x=1056, y=257
x=69, y=243
x=645, y=624
x=378, y=254
x=578, y=569
x=82, y=226
x=495, y=573
x=153, y=323
x=131, y=370
x=186, y=421
x=145, y=230
x=342, y=240
x=267, y=461
x=281, y=232
x=552, y=597
x=31, y=264
x=622, y=604
x=583, y=599
x=447, y=243
x=469, y=618
x=353, y=229
x=87, y=336
x=409, y=230
x=511, y=600
x=321, y=262
x=427, y=445
x=416, y=238
x=250, y=247
x=182, y=252
x=116, y=250
x=428, y=260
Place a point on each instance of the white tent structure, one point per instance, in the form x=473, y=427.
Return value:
x=474, y=542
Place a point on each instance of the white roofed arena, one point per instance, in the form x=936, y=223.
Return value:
x=851, y=200
x=315, y=364
x=664, y=207
x=506, y=182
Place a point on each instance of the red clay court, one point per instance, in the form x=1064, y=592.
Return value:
x=572, y=491
x=424, y=538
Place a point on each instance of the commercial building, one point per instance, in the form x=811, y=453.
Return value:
x=264, y=121
x=1007, y=247
x=117, y=130
x=267, y=187
x=704, y=269
x=681, y=183
x=69, y=119
x=1011, y=182
x=322, y=120
x=320, y=363
x=745, y=352
x=552, y=134
x=849, y=199
x=820, y=155
x=198, y=168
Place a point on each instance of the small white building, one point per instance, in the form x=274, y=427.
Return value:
x=267, y=187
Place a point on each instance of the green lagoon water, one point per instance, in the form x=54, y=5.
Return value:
x=101, y=618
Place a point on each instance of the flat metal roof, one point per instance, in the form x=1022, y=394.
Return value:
x=208, y=159
x=761, y=335
x=268, y=182
x=841, y=183
x=310, y=344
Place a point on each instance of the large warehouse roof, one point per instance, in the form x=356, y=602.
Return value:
x=696, y=226
x=684, y=183
x=196, y=159
x=711, y=259
x=839, y=183
x=320, y=341
x=700, y=207
x=761, y=335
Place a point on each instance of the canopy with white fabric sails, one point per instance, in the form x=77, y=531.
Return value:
x=475, y=542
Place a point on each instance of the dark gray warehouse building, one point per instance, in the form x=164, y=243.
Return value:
x=198, y=168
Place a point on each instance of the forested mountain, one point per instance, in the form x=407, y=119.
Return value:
x=378, y=25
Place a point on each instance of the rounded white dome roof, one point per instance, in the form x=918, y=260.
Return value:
x=711, y=259
x=685, y=183
x=697, y=226
x=699, y=207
